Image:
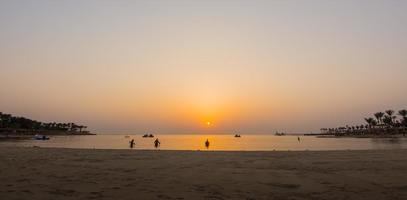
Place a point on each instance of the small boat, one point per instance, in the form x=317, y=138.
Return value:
x=41, y=137
x=148, y=136
x=237, y=135
x=279, y=134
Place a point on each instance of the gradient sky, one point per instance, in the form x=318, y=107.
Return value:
x=170, y=66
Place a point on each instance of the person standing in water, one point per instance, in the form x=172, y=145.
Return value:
x=132, y=143
x=298, y=138
x=157, y=143
x=207, y=144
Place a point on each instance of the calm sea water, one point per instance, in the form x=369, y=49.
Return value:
x=217, y=142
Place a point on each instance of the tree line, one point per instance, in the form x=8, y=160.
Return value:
x=387, y=122
x=9, y=122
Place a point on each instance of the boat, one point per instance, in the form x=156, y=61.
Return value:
x=41, y=137
x=148, y=136
x=237, y=135
x=279, y=134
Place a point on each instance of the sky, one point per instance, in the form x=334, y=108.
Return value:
x=172, y=66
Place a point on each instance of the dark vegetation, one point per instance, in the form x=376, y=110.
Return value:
x=12, y=124
x=382, y=123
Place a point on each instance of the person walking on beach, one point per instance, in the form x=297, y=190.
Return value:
x=207, y=144
x=132, y=143
x=157, y=143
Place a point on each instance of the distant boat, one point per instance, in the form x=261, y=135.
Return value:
x=41, y=137
x=237, y=135
x=279, y=134
x=148, y=136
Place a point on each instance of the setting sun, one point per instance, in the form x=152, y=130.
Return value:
x=198, y=99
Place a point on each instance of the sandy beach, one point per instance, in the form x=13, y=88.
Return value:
x=45, y=173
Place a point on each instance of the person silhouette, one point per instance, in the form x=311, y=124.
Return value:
x=207, y=144
x=298, y=138
x=132, y=143
x=157, y=143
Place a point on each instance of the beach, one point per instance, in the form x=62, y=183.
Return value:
x=57, y=173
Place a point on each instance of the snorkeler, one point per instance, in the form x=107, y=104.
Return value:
x=157, y=143
x=207, y=143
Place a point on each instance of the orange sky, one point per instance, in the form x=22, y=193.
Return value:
x=245, y=66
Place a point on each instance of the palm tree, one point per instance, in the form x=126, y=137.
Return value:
x=403, y=113
x=379, y=116
x=81, y=127
x=388, y=120
x=404, y=121
x=6, y=120
x=370, y=121
x=390, y=114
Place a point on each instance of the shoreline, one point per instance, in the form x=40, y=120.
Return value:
x=362, y=136
x=324, y=135
x=199, y=150
x=28, y=135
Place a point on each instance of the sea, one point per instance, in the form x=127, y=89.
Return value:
x=223, y=142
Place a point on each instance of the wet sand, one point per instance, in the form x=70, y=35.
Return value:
x=42, y=173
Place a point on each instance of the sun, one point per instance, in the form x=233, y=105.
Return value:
x=208, y=123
